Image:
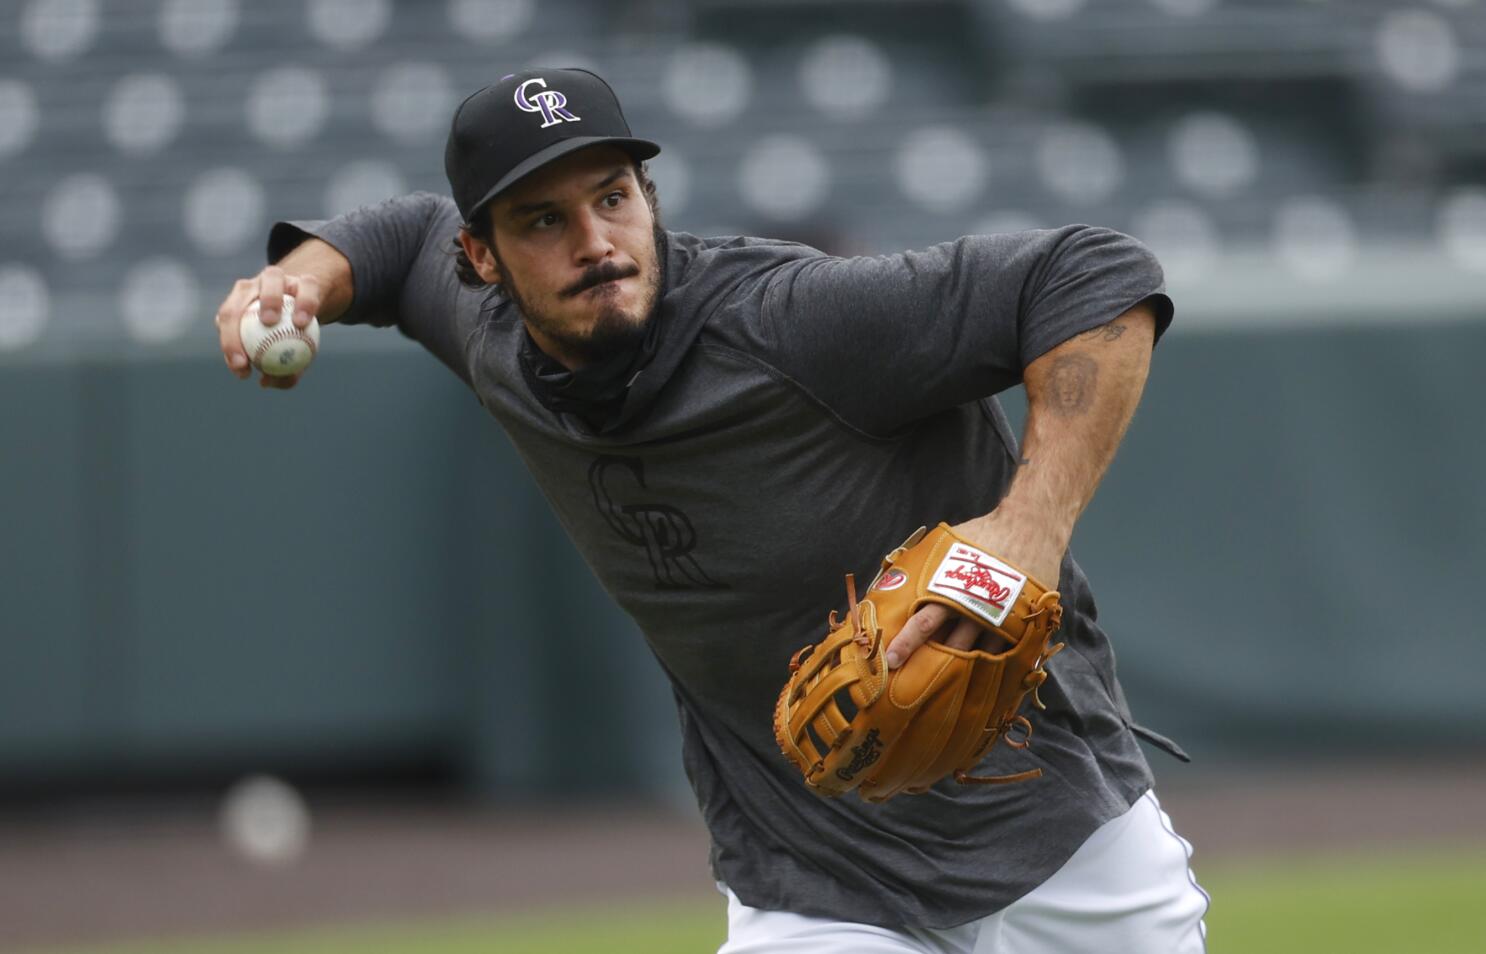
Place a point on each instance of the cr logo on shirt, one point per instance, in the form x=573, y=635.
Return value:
x=665, y=532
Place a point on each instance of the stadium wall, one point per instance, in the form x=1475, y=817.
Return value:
x=1283, y=554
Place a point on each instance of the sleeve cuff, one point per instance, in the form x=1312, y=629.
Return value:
x=285, y=237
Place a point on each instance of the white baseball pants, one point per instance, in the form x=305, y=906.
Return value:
x=1127, y=889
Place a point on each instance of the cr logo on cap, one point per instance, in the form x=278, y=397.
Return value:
x=549, y=102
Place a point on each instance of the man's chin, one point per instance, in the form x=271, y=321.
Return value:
x=618, y=328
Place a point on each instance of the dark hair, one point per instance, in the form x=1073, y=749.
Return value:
x=483, y=229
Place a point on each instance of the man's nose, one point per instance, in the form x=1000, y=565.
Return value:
x=591, y=243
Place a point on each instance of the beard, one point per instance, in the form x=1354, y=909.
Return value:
x=614, y=331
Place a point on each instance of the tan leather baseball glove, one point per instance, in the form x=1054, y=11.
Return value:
x=847, y=722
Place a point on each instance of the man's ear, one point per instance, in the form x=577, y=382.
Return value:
x=481, y=256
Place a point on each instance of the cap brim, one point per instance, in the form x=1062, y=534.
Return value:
x=640, y=149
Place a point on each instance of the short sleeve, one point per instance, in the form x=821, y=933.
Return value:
x=402, y=269
x=885, y=340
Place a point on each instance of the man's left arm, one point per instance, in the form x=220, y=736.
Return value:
x=1081, y=396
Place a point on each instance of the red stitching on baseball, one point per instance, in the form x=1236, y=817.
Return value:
x=280, y=333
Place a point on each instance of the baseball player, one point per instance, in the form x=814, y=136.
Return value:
x=724, y=426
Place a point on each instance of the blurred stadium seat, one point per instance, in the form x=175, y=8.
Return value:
x=145, y=145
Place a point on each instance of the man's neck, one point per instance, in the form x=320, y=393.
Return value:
x=552, y=349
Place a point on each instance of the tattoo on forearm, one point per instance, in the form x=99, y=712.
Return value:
x=1071, y=384
x=1109, y=332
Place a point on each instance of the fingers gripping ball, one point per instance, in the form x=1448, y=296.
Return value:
x=282, y=349
x=848, y=723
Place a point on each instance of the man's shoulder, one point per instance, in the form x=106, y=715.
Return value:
x=736, y=242
x=726, y=259
x=716, y=287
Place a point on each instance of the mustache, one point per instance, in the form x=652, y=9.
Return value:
x=596, y=275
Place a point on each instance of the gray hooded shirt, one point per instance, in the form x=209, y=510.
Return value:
x=802, y=414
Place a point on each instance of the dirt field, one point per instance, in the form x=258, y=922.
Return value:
x=106, y=872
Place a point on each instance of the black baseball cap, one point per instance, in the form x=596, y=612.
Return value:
x=523, y=122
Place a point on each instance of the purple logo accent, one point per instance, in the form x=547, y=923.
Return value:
x=549, y=102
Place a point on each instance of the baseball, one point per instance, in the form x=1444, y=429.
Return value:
x=282, y=349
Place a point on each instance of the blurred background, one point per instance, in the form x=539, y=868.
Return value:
x=276, y=663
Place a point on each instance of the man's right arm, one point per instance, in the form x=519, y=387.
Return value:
x=379, y=265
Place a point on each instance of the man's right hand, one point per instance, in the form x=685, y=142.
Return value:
x=268, y=288
x=315, y=274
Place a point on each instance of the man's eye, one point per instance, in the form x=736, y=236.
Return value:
x=545, y=221
x=613, y=199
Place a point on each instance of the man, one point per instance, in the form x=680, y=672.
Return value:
x=789, y=416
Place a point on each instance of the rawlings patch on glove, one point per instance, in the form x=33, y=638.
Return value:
x=847, y=722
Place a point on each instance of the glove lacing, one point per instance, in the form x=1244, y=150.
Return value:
x=1045, y=619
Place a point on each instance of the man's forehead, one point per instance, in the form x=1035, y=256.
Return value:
x=582, y=170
